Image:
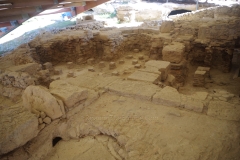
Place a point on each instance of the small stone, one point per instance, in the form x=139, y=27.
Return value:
x=47, y=120
x=90, y=61
x=129, y=56
x=223, y=99
x=91, y=69
x=42, y=115
x=42, y=126
x=115, y=73
x=48, y=66
x=57, y=71
x=141, y=57
x=137, y=66
x=121, y=62
x=70, y=74
x=70, y=65
x=101, y=64
x=134, y=61
x=40, y=121
x=136, y=50
x=127, y=72
x=112, y=65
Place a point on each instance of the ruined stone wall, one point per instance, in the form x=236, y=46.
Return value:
x=208, y=41
x=214, y=33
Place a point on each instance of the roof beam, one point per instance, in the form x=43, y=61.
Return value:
x=38, y=9
x=27, y=3
x=11, y=18
x=16, y=11
x=5, y=24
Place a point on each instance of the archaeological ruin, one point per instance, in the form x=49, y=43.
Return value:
x=165, y=90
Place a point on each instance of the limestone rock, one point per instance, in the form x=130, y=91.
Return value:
x=168, y=96
x=134, y=61
x=70, y=65
x=136, y=50
x=194, y=105
x=30, y=68
x=101, y=64
x=18, y=126
x=115, y=73
x=70, y=74
x=47, y=120
x=68, y=93
x=173, y=53
x=137, y=66
x=48, y=65
x=141, y=57
x=144, y=76
x=159, y=67
x=137, y=89
x=91, y=69
x=40, y=99
x=112, y=65
x=121, y=62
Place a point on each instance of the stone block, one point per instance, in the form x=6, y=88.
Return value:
x=136, y=50
x=141, y=90
x=141, y=57
x=200, y=95
x=168, y=96
x=173, y=53
x=101, y=64
x=70, y=74
x=134, y=61
x=115, y=73
x=171, y=80
x=158, y=66
x=91, y=80
x=70, y=65
x=137, y=66
x=18, y=126
x=224, y=110
x=48, y=65
x=207, y=69
x=144, y=76
x=199, y=78
x=69, y=94
x=112, y=65
x=90, y=61
x=37, y=99
x=47, y=120
x=194, y=105
x=121, y=62
x=129, y=56
x=91, y=69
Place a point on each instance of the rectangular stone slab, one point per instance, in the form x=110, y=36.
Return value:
x=150, y=69
x=92, y=80
x=141, y=90
x=161, y=66
x=144, y=76
x=168, y=96
x=68, y=93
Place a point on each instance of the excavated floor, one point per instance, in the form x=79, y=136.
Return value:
x=124, y=122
